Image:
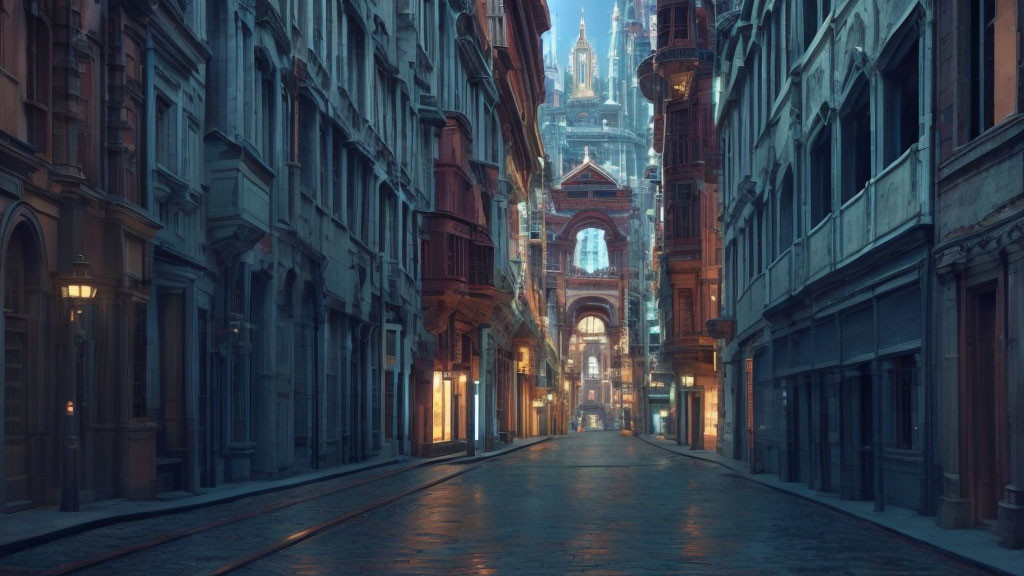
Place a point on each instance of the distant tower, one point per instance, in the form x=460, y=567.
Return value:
x=582, y=64
x=613, y=58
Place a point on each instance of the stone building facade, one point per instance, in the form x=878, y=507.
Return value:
x=251, y=183
x=678, y=78
x=872, y=194
x=826, y=128
x=479, y=307
x=978, y=289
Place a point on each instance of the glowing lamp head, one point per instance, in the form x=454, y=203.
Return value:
x=69, y=409
x=80, y=285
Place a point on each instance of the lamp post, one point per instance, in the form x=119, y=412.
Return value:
x=686, y=382
x=78, y=291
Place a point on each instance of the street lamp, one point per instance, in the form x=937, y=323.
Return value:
x=77, y=291
x=79, y=286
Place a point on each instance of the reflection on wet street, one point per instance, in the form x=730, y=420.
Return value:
x=606, y=504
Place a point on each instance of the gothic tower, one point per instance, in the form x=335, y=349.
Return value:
x=582, y=61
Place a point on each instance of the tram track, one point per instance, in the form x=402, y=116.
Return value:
x=172, y=536
x=312, y=531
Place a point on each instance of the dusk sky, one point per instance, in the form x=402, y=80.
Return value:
x=565, y=15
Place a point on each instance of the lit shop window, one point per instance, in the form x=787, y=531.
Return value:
x=442, y=408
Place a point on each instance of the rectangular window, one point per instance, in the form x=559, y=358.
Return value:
x=993, y=53
x=37, y=83
x=761, y=239
x=337, y=161
x=318, y=26
x=681, y=212
x=351, y=191
x=307, y=146
x=785, y=213
x=779, y=53
x=356, y=63
x=138, y=358
x=89, y=153
x=192, y=165
x=681, y=22
x=481, y=269
x=900, y=85
x=363, y=183
x=856, y=161
x=749, y=233
x=811, y=21
x=339, y=45
x=324, y=163
x=248, y=84
x=904, y=402
x=664, y=27
x=267, y=94
x=821, y=176
x=442, y=408
x=405, y=256
x=166, y=135
x=684, y=311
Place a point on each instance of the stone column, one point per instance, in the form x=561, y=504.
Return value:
x=1011, y=509
x=347, y=376
x=954, y=509
x=876, y=434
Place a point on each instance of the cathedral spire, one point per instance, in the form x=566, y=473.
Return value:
x=582, y=64
x=613, y=56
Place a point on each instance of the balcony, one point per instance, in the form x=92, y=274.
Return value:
x=890, y=204
x=238, y=209
x=820, y=256
x=780, y=276
x=722, y=328
x=896, y=197
x=650, y=82
x=751, y=303
x=607, y=272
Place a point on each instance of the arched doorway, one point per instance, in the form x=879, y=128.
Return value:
x=595, y=405
x=24, y=454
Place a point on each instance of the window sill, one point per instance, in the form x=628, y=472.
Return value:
x=981, y=147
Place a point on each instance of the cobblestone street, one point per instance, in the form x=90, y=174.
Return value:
x=589, y=503
x=601, y=503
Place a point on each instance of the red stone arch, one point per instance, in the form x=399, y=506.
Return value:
x=591, y=218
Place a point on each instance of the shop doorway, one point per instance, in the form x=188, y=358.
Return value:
x=857, y=411
x=23, y=449
x=985, y=409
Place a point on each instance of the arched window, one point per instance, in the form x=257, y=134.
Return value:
x=785, y=212
x=591, y=250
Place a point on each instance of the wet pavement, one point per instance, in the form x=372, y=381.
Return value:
x=606, y=504
x=590, y=503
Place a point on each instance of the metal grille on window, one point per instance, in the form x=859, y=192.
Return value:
x=899, y=317
x=825, y=341
x=858, y=333
x=780, y=354
x=802, y=348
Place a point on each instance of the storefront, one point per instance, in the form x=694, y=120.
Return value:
x=661, y=398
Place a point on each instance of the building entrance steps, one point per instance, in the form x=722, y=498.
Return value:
x=44, y=524
x=976, y=545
